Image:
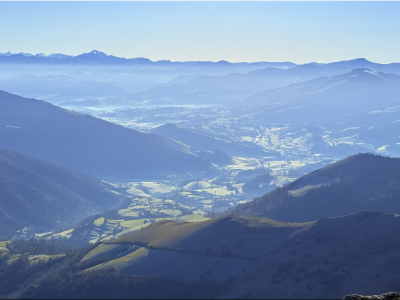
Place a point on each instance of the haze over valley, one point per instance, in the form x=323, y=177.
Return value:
x=245, y=150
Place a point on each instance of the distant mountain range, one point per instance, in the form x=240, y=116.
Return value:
x=84, y=143
x=161, y=82
x=231, y=88
x=44, y=197
x=324, y=98
x=97, y=57
x=74, y=76
x=363, y=182
x=209, y=90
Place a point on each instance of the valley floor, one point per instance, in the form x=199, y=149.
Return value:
x=293, y=152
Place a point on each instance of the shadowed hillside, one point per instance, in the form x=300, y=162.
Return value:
x=336, y=256
x=230, y=257
x=264, y=258
x=215, y=236
x=357, y=183
x=42, y=196
x=87, y=144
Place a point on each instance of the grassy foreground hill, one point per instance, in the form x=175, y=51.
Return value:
x=87, y=144
x=264, y=258
x=42, y=196
x=235, y=257
x=227, y=257
x=362, y=182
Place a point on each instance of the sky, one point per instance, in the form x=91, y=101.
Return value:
x=299, y=32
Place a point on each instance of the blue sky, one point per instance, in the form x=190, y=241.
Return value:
x=235, y=31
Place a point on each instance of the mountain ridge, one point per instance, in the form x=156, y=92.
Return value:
x=87, y=144
x=233, y=88
x=96, y=56
x=358, y=183
x=331, y=96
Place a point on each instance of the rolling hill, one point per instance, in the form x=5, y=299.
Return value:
x=211, y=90
x=44, y=197
x=324, y=98
x=206, y=89
x=207, y=141
x=357, y=183
x=261, y=258
x=87, y=144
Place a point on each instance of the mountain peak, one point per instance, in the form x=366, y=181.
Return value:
x=96, y=53
x=357, y=62
x=8, y=53
x=361, y=59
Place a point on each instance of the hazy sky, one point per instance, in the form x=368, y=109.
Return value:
x=235, y=31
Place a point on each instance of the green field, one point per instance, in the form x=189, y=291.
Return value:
x=3, y=247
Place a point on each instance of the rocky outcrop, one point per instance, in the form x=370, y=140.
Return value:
x=386, y=296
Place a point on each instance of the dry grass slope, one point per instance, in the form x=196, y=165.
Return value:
x=264, y=258
x=232, y=235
